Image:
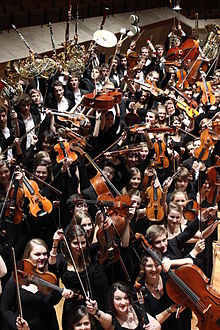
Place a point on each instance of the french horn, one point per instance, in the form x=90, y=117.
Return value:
x=211, y=46
x=12, y=91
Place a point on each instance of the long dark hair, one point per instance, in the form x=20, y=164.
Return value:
x=72, y=234
x=118, y=286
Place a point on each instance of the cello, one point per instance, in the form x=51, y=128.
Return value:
x=188, y=286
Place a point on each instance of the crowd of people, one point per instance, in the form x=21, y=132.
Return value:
x=92, y=163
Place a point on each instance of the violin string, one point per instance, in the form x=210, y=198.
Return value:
x=180, y=283
x=74, y=265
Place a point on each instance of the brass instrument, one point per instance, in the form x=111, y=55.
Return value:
x=12, y=91
x=73, y=59
x=211, y=47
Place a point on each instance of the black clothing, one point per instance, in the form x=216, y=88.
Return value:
x=98, y=282
x=117, y=325
x=37, y=308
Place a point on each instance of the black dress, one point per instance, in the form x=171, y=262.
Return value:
x=98, y=283
x=37, y=308
x=156, y=306
x=117, y=325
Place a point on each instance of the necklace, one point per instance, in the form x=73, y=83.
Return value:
x=153, y=287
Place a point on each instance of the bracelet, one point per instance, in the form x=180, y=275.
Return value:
x=169, y=310
x=52, y=254
x=97, y=313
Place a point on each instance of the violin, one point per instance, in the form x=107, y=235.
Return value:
x=161, y=159
x=109, y=251
x=181, y=83
x=206, y=88
x=45, y=281
x=137, y=128
x=99, y=101
x=190, y=210
x=117, y=96
x=154, y=209
x=192, y=103
x=14, y=212
x=76, y=138
x=214, y=180
x=190, y=111
x=64, y=151
x=208, y=139
x=38, y=204
x=197, y=295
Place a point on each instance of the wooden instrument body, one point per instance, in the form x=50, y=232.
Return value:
x=207, y=308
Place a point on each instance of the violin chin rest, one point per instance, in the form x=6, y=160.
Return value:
x=41, y=213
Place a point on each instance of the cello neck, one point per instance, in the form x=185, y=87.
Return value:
x=182, y=285
x=98, y=169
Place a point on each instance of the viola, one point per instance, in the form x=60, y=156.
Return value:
x=161, y=158
x=45, y=281
x=154, y=209
x=145, y=319
x=14, y=212
x=197, y=295
x=38, y=204
x=99, y=101
x=191, y=210
x=74, y=119
x=64, y=151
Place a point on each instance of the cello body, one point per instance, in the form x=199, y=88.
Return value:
x=204, y=301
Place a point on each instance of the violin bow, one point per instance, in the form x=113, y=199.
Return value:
x=98, y=169
x=6, y=197
x=21, y=138
x=58, y=192
x=74, y=265
x=20, y=313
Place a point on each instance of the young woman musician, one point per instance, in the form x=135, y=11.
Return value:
x=76, y=265
x=123, y=313
x=37, y=307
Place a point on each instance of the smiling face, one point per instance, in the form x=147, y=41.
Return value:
x=152, y=269
x=4, y=175
x=135, y=180
x=180, y=199
x=38, y=256
x=173, y=219
x=121, y=302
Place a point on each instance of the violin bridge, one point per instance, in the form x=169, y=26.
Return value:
x=206, y=310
